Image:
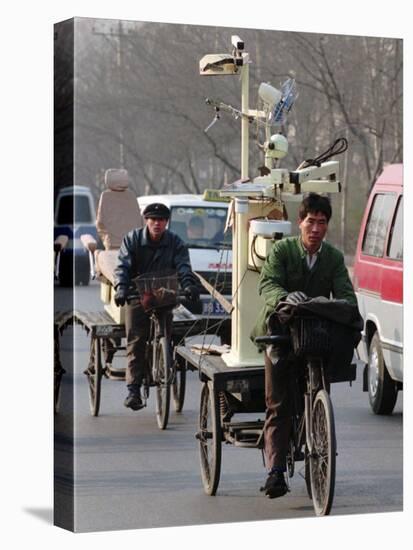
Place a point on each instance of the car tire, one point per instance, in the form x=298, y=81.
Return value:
x=65, y=280
x=382, y=389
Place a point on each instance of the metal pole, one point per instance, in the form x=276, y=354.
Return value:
x=244, y=123
x=119, y=61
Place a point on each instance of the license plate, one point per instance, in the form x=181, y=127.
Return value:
x=212, y=307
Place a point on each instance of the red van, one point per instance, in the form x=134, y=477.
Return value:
x=378, y=282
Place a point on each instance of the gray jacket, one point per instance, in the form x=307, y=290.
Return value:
x=139, y=255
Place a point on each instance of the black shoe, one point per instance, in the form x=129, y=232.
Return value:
x=134, y=400
x=275, y=486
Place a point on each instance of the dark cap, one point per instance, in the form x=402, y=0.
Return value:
x=156, y=210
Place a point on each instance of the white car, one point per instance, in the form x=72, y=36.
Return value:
x=200, y=223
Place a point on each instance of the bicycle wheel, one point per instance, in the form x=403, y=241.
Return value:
x=323, y=454
x=57, y=387
x=58, y=372
x=307, y=475
x=209, y=437
x=290, y=458
x=179, y=384
x=162, y=368
x=148, y=371
x=94, y=375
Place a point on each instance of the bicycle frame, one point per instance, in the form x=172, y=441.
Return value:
x=301, y=414
x=313, y=386
x=157, y=329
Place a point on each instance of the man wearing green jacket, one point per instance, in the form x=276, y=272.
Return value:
x=295, y=269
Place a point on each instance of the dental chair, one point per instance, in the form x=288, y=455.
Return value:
x=118, y=213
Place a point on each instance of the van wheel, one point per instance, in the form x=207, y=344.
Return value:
x=382, y=389
x=65, y=280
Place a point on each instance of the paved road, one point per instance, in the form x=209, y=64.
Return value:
x=129, y=474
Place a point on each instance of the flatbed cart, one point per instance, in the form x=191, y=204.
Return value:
x=241, y=389
x=225, y=391
x=106, y=340
x=62, y=319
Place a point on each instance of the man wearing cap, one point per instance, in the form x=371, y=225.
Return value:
x=152, y=248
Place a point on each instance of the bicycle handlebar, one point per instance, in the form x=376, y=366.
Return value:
x=136, y=296
x=273, y=339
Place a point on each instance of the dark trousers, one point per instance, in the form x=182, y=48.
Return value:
x=277, y=424
x=137, y=324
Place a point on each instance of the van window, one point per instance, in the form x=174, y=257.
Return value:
x=396, y=238
x=81, y=213
x=378, y=224
x=201, y=226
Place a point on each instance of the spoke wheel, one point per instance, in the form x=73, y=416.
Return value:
x=179, y=384
x=162, y=369
x=94, y=375
x=57, y=389
x=149, y=371
x=58, y=373
x=307, y=475
x=209, y=437
x=323, y=454
x=290, y=458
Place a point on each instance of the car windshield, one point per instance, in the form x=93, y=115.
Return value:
x=201, y=226
x=67, y=215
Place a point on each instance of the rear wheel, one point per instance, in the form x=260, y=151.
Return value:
x=58, y=371
x=307, y=475
x=149, y=371
x=179, y=384
x=94, y=375
x=57, y=388
x=290, y=458
x=323, y=454
x=382, y=389
x=209, y=438
x=162, y=368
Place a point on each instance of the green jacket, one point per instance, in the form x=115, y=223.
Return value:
x=285, y=270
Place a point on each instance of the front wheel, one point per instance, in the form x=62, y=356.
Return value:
x=209, y=438
x=322, y=457
x=382, y=389
x=162, y=367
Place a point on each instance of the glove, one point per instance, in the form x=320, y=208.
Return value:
x=295, y=298
x=120, y=295
x=192, y=292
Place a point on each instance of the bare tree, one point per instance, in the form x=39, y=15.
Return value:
x=140, y=102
